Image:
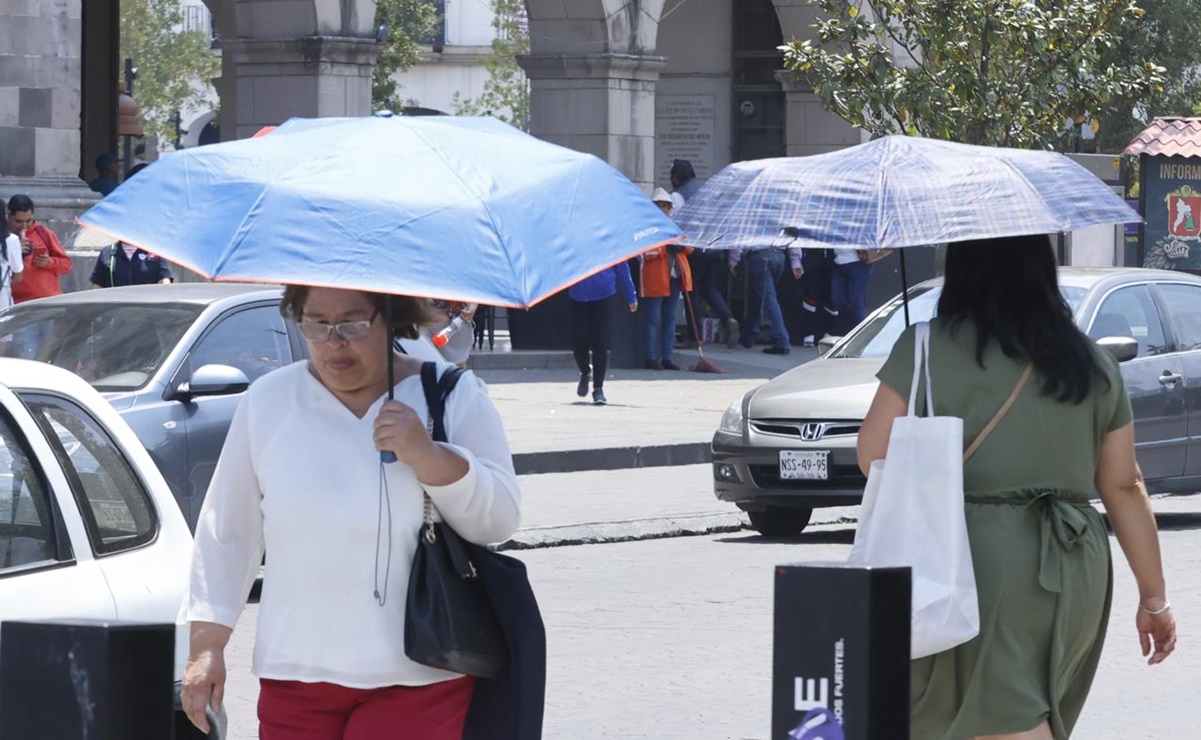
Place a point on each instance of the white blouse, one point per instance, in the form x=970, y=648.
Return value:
x=300, y=476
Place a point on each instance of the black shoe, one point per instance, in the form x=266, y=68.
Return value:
x=777, y=351
x=598, y=397
x=654, y=365
x=581, y=390
x=669, y=365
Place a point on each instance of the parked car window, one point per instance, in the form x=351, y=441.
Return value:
x=254, y=340
x=876, y=337
x=27, y=531
x=115, y=504
x=1184, y=311
x=113, y=346
x=1131, y=312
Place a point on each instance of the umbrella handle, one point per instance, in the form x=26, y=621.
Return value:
x=387, y=456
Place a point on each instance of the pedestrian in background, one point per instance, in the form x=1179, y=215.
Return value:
x=590, y=303
x=44, y=260
x=707, y=265
x=11, y=264
x=108, y=167
x=820, y=316
x=848, y=287
x=665, y=274
x=1040, y=550
x=300, y=475
x=762, y=271
x=453, y=330
x=123, y=264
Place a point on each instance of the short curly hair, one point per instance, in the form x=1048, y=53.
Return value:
x=409, y=314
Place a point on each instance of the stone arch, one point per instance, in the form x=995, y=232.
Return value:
x=286, y=58
x=811, y=129
x=196, y=127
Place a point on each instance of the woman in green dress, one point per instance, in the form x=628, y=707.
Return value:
x=1039, y=549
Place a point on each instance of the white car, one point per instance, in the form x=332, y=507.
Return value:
x=88, y=526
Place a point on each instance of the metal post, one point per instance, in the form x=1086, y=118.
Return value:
x=129, y=78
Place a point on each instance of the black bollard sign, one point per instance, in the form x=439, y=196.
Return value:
x=71, y=680
x=840, y=669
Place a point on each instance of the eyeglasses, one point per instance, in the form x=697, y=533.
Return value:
x=349, y=331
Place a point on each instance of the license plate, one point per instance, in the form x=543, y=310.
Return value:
x=804, y=465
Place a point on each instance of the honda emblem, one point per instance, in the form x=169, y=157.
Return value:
x=812, y=432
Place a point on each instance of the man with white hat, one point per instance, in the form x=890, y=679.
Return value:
x=664, y=276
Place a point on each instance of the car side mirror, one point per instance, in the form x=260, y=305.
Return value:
x=825, y=344
x=1122, y=348
x=213, y=380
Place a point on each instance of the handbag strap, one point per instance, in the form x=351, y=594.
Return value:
x=996, y=419
x=921, y=352
x=436, y=390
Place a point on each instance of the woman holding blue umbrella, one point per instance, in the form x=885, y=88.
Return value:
x=300, y=476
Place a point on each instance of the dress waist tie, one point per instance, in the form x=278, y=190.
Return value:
x=1064, y=519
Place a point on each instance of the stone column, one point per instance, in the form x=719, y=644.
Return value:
x=603, y=104
x=40, y=61
x=275, y=79
x=809, y=127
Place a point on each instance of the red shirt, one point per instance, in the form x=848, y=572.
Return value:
x=39, y=282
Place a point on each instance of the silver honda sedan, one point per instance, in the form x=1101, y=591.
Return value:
x=789, y=445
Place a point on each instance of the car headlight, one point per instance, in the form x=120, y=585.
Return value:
x=733, y=422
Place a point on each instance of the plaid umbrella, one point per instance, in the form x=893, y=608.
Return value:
x=897, y=191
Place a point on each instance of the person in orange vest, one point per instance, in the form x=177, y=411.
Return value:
x=43, y=256
x=665, y=274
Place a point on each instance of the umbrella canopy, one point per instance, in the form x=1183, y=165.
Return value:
x=464, y=209
x=897, y=191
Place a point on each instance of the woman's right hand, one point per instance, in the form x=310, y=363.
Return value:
x=203, y=685
x=204, y=677
x=1156, y=632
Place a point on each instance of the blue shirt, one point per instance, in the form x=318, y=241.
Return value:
x=604, y=284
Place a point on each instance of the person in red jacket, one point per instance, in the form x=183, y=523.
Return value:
x=43, y=254
x=44, y=260
x=665, y=274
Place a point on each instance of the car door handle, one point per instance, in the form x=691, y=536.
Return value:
x=1170, y=378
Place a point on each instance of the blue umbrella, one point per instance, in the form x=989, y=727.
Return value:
x=463, y=209
x=897, y=191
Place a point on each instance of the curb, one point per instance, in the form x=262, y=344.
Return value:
x=637, y=530
x=611, y=458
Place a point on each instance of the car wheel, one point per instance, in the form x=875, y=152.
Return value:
x=778, y=521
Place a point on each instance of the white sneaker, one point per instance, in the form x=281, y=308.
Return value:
x=807, y=341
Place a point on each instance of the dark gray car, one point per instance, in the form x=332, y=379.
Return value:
x=789, y=445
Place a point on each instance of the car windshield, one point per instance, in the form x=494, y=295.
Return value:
x=875, y=337
x=113, y=346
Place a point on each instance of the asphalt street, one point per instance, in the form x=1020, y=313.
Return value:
x=671, y=638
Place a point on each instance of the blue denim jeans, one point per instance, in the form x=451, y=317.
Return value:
x=848, y=291
x=659, y=329
x=763, y=269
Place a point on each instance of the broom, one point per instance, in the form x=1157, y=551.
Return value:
x=702, y=365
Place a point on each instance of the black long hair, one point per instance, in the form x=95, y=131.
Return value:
x=1008, y=288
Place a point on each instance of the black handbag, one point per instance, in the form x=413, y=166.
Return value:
x=450, y=621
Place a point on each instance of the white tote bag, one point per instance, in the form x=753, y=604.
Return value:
x=913, y=515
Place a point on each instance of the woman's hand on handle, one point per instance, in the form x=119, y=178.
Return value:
x=204, y=677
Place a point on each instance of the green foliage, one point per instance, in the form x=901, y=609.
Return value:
x=506, y=93
x=175, y=69
x=993, y=72
x=408, y=22
x=1170, y=35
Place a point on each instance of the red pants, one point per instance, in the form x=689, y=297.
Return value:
x=294, y=710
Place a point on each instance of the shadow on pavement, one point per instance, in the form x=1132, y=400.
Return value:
x=826, y=537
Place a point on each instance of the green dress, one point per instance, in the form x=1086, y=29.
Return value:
x=1039, y=549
